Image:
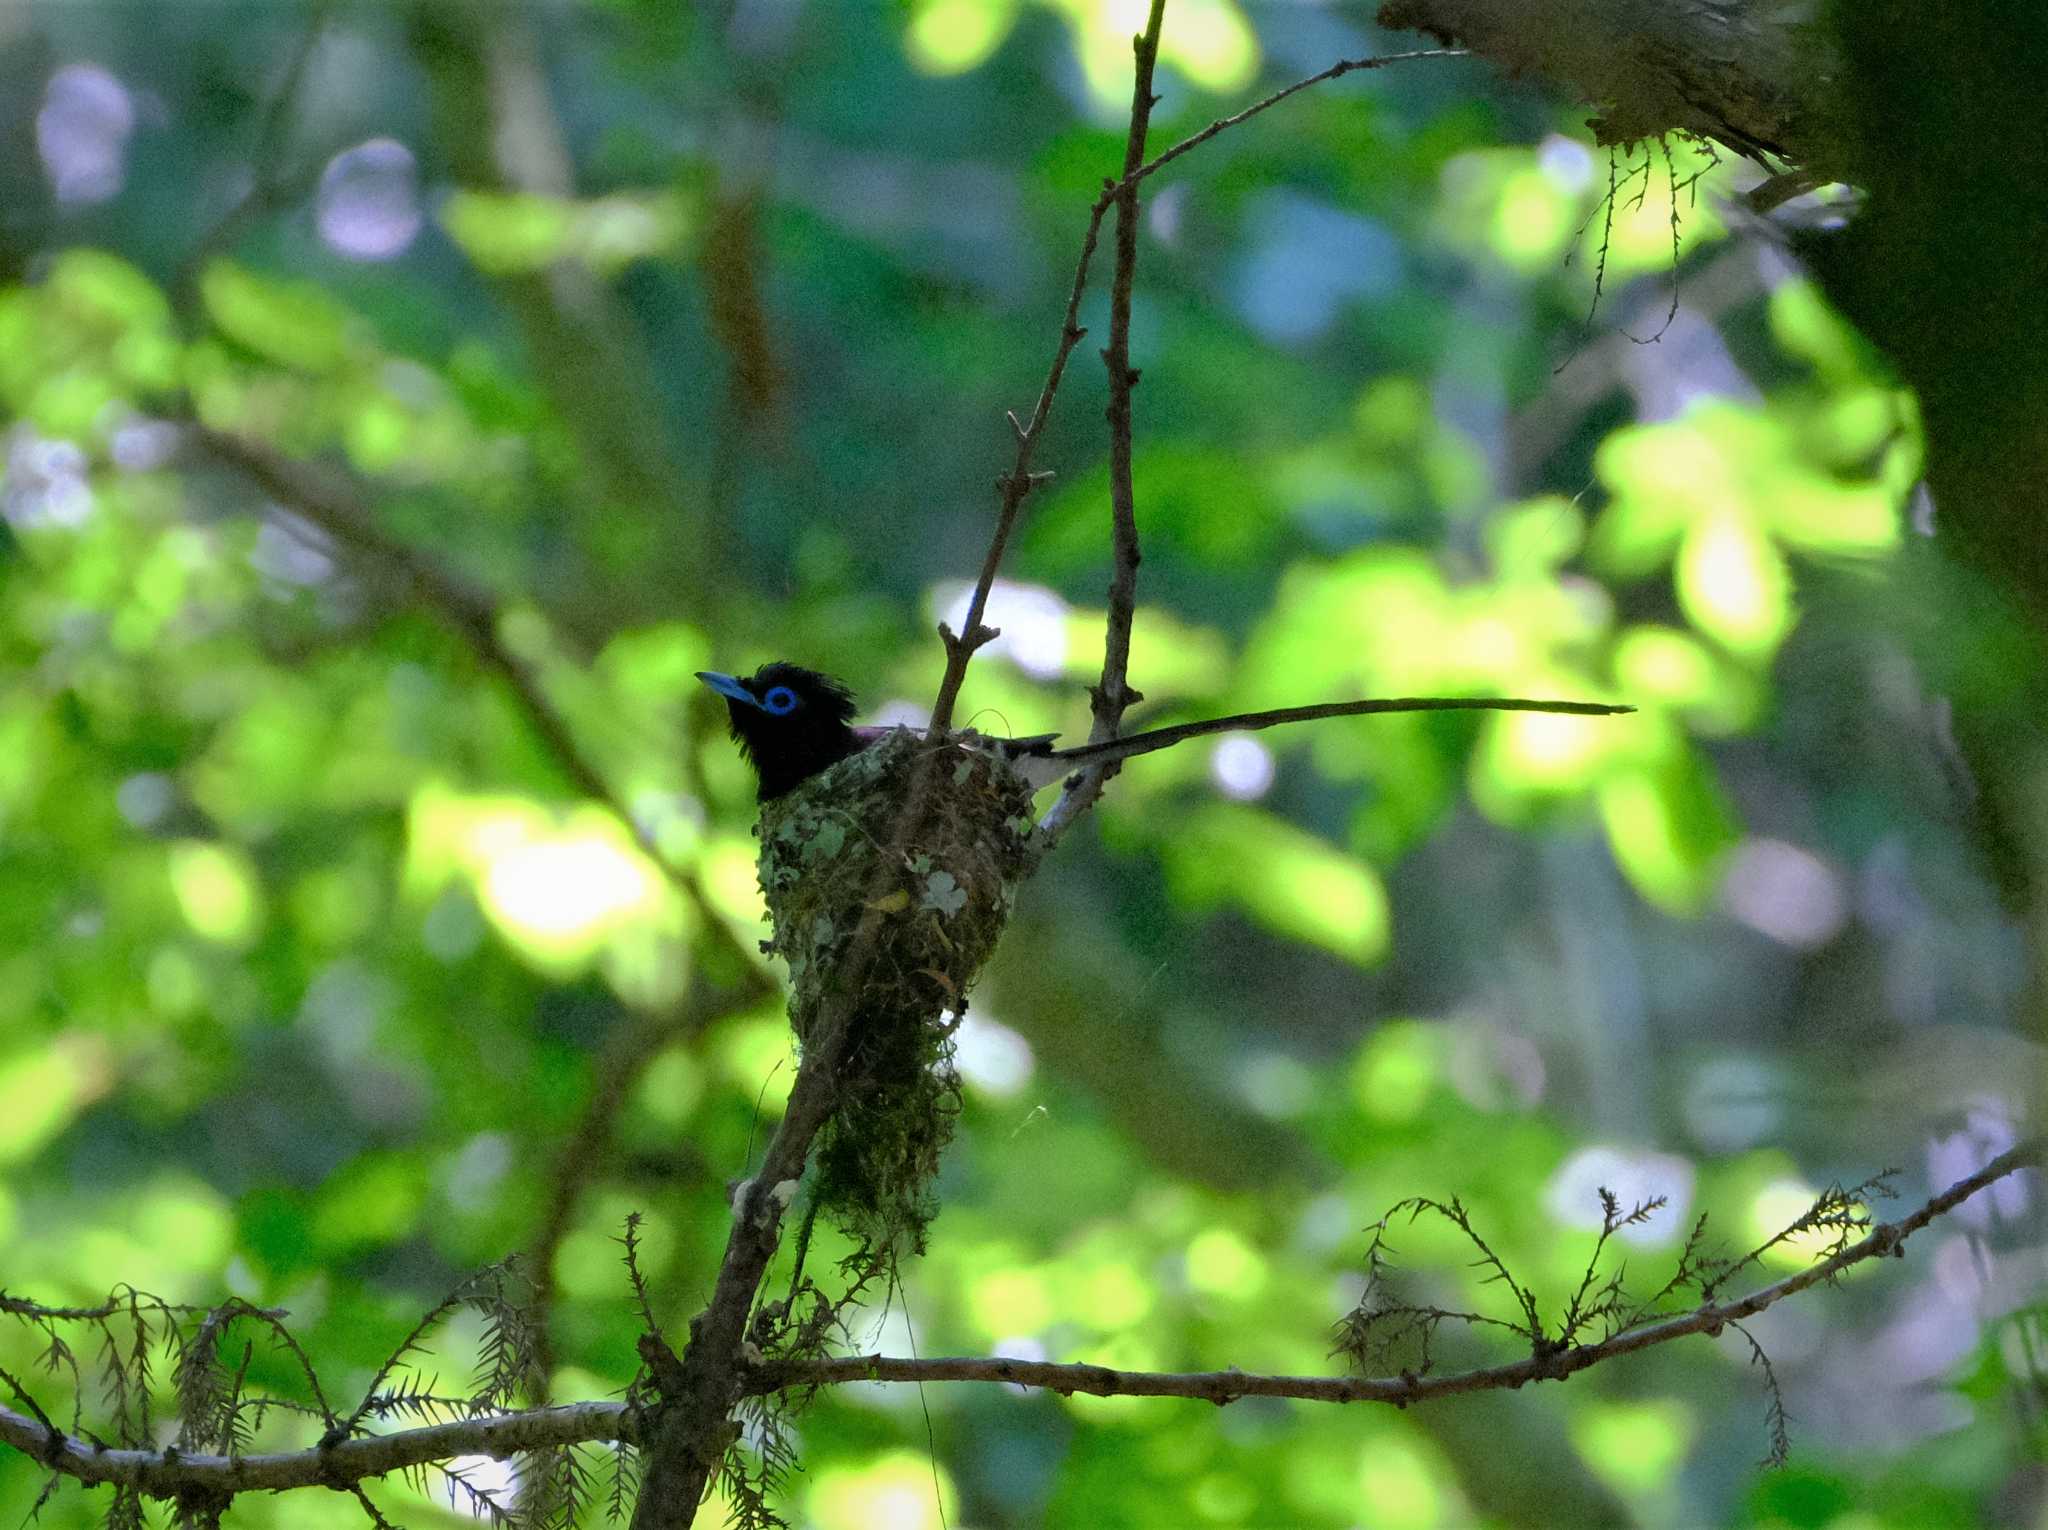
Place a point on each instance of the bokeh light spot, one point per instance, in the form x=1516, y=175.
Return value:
x=368, y=204
x=1635, y=1447
x=216, y=891
x=954, y=36
x=895, y=1489
x=1223, y=1264
x=82, y=133
x=1241, y=767
x=1398, y=1484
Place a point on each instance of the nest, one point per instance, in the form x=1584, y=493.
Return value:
x=943, y=898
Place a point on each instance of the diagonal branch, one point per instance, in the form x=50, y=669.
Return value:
x=335, y=506
x=1885, y=1240
x=469, y=611
x=1223, y=124
x=693, y=1426
x=272, y=185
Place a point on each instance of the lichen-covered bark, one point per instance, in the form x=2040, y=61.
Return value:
x=1757, y=75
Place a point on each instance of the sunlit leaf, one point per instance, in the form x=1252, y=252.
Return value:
x=292, y=322
x=508, y=232
x=1668, y=828
x=1734, y=584
x=1804, y=324
x=1289, y=881
x=954, y=36
x=1637, y=1447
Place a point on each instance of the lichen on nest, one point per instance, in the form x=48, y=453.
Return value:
x=943, y=899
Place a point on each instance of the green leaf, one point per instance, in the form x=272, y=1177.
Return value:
x=1734, y=584
x=1290, y=882
x=1669, y=827
x=291, y=322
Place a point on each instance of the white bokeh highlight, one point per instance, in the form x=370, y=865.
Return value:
x=1031, y=618
x=1573, y=1194
x=1241, y=767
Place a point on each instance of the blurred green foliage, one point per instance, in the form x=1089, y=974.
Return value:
x=316, y=952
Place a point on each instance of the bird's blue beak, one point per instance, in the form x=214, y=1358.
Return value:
x=728, y=687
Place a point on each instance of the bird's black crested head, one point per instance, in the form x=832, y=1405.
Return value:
x=791, y=722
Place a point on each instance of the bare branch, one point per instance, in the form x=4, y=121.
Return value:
x=334, y=505
x=271, y=183
x=1221, y=124
x=470, y=612
x=1885, y=1240
x=1014, y=486
x=1112, y=694
x=165, y=1473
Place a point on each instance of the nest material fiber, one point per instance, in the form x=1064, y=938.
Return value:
x=944, y=898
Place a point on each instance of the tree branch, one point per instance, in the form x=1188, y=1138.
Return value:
x=164, y=1473
x=335, y=506
x=471, y=613
x=1884, y=1240
x=271, y=185
x=1112, y=694
x=691, y=1427
x=1015, y=486
x=1221, y=124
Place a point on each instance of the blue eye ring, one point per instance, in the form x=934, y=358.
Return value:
x=779, y=702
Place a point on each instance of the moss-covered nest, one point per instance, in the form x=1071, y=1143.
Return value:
x=943, y=901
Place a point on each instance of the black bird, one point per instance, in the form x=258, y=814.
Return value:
x=793, y=722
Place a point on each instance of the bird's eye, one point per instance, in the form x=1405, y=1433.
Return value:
x=779, y=702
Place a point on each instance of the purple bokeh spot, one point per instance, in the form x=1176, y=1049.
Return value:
x=368, y=205
x=82, y=133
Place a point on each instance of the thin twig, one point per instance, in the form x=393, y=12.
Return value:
x=1132, y=745
x=1015, y=486
x=1221, y=124
x=1112, y=694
